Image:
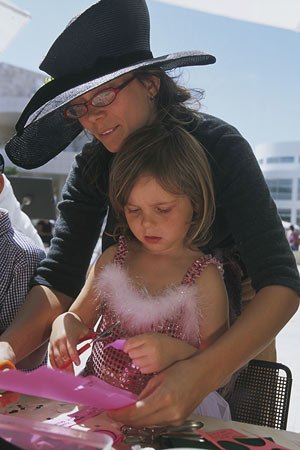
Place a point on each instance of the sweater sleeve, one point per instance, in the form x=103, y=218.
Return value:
x=77, y=229
x=250, y=214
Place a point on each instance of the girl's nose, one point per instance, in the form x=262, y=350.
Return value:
x=147, y=220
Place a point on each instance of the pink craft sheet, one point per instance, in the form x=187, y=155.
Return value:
x=118, y=344
x=63, y=386
x=229, y=435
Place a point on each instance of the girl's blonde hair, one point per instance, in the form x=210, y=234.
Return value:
x=171, y=155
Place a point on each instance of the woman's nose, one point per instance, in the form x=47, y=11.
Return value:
x=94, y=113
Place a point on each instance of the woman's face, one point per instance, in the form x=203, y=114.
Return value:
x=132, y=108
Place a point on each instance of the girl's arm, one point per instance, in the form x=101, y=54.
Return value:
x=154, y=352
x=70, y=327
x=213, y=306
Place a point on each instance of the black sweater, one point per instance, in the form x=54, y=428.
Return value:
x=246, y=217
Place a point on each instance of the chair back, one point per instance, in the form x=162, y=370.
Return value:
x=261, y=394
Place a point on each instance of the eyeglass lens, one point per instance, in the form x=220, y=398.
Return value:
x=102, y=98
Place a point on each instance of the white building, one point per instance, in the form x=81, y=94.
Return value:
x=280, y=164
x=17, y=86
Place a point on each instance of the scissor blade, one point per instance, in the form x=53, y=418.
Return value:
x=105, y=333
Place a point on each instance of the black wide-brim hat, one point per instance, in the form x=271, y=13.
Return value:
x=106, y=41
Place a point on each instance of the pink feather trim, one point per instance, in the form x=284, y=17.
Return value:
x=139, y=310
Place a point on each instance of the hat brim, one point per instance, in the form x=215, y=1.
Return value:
x=43, y=132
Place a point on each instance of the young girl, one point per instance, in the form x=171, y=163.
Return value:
x=170, y=298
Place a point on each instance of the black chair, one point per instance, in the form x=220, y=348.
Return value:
x=261, y=394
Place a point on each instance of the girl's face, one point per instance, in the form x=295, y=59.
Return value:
x=158, y=218
x=131, y=109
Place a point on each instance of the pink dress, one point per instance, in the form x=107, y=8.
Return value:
x=175, y=313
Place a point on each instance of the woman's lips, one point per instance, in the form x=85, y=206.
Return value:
x=152, y=239
x=107, y=132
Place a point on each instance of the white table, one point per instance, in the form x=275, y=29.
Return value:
x=33, y=410
x=288, y=439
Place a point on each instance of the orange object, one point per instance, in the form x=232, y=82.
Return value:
x=6, y=364
x=7, y=397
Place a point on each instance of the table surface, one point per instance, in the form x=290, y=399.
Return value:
x=285, y=438
x=45, y=410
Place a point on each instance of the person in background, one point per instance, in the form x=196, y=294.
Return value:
x=19, y=258
x=111, y=85
x=19, y=220
x=293, y=238
x=44, y=229
x=175, y=293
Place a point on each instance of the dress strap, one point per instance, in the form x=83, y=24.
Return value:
x=198, y=266
x=122, y=251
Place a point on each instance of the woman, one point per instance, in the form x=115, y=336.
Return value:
x=107, y=48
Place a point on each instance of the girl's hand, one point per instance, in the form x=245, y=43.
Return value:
x=154, y=352
x=67, y=330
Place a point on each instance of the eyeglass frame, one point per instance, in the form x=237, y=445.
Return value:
x=2, y=164
x=115, y=90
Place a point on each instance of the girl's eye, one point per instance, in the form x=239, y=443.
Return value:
x=163, y=210
x=132, y=211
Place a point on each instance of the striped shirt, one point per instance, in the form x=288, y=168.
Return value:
x=19, y=258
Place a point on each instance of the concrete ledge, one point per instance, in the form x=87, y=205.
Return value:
x=297, y=256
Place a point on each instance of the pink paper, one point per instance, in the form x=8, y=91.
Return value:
x=118, y=344
x=63, y=386
x=229, y=435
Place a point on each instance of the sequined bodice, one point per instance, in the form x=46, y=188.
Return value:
x=174, y=313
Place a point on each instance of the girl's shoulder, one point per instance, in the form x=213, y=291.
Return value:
x=107, y=256
x=201, y=265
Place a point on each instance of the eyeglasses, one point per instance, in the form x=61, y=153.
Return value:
x=102, y=98
x=1, y=164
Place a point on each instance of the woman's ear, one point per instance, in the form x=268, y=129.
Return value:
x=152, y=85
x=1, y=182
x=155, y=85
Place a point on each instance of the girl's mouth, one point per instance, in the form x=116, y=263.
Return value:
x=152, y=239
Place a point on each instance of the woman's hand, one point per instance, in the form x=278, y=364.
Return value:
x=67, y=330
x=169, y=397
x=154, y=352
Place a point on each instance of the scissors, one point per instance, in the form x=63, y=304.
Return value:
x=146, y=435
x=94, y=336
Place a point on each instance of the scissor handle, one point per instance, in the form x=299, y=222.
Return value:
x=6, y=364
x=91, y=335
x=81, y=350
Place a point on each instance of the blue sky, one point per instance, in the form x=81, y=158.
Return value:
x=254, y=85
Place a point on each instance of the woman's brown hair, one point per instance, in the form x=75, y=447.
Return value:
x=171, y=155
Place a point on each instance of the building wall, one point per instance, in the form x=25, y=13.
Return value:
x=280, y=164
x=17, y=86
